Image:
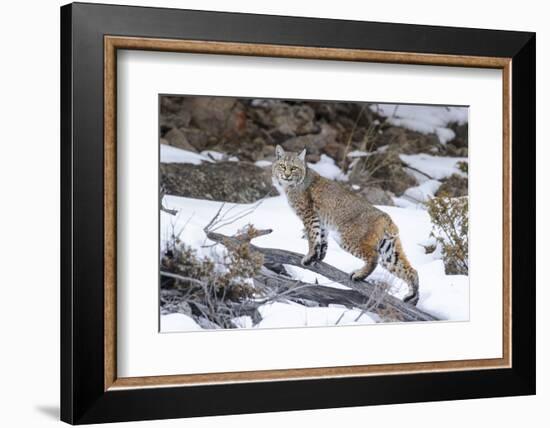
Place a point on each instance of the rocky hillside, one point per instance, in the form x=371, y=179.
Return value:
x=392, y=154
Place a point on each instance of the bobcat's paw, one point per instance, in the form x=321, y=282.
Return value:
x=323, y=251
x=308, y=260
x=357, y=275
x=412, y=299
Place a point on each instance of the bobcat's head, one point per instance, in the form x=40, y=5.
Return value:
x=289, y=169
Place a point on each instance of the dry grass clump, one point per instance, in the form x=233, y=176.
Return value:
x=450, y=229
x=213, y=290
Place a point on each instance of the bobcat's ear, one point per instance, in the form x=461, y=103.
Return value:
x=302, y=155
x=279, y=152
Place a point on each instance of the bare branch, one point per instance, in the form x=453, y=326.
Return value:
x=406, y=165
x=162, y=207
x=182, y=278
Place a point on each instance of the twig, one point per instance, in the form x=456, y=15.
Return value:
x=182, y=278
x=348, y=143
x=162, y=193
x=406, y=165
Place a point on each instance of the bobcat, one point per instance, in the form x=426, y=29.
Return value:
x=359, y=228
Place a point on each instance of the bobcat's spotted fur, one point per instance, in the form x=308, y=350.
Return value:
x=361, y=229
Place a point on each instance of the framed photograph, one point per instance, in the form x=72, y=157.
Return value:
x=266, y=213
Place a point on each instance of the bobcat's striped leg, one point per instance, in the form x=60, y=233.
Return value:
x=324, y=242
x=365, y=271
x=392, y=257
x=316, y=238
x=367, y=250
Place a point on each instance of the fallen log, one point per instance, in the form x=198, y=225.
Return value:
x=314, y=295
x=362, y=292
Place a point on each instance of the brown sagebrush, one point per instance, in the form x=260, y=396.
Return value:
x=211, y=287
x=450, y=229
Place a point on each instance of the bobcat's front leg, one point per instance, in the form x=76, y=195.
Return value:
x=316, y=238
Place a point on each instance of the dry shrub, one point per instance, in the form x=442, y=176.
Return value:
x=450, y=229
x=210, y=290
x=463, y=166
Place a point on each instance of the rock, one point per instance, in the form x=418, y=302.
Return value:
x=170, y=105
x=313, y=143
x=452, y=150
x=268, y=152
x=384, y=170
x=238, y=182
x=461, y=135
x=453, y=187
x=407, y=141
x=335, y=151
x=245, y=148
x=204, y=121
x=176, y=138
x=172, y=114
x=348, y=113
x=284, y=120
x=313, y=157
x=377, y=196
x=214, y=115
x=199, y=139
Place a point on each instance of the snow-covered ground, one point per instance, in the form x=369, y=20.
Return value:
x=424, y=119
x=169, y=154
x=436, y=167
x=445, y=296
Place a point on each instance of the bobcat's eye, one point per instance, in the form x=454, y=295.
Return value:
x=294, y=169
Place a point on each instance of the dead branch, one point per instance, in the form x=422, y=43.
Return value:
x=281, y=287
x=406, y=165
x=181, y=278
x=162, y=193
x=361, y=294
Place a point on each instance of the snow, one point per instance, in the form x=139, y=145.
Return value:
x=358, y=154
x=169, y=154
x=443, y=295
x=456, y=298
x=217, y=156
x=445, y=134
x=438, y=167
x=424, y=119
x=263, y=163
x=327, y=168
x=243, y=322
x=277, y=315
x=177, y=322
x=424, y=191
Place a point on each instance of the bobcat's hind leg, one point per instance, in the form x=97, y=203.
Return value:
x=323, y=241
x=392, y=257
x=370, y=257
x=366, y=250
